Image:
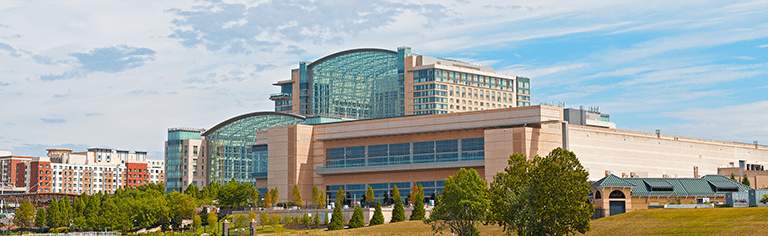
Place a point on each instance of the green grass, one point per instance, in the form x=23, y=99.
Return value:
x=713, y=221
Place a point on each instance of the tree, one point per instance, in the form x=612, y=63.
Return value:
x=235, y=194
x=464, y=203
x=181, y=206
x=296, y=197
x=197, y=222
x=337, y=219
x=275, y=219
x=40, y=218
x=53, y=213
x=745, y=180
x=369, y=197
x=204, y=216
x=213, y=220
x=764, y=199
x=306, y=220
x=263, y=219
x=267, y=199
x=193, y=191
x=24, y=214
x=316, y=196
x=357, y=218
x=275, y=195
x=733, y=177
x=317, y=219
x=378, y=217
x=545, y=196
x=418, y=212
x=321, y=200
x=398, y=214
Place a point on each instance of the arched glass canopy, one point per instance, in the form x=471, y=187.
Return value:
x=361, y=83
x=232, y=150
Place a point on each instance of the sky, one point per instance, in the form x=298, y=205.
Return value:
x=117, y=74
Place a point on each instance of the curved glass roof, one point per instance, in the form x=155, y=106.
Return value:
x=231, y=146
x=362, y=83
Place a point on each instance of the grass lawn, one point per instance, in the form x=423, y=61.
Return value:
x=713, y=221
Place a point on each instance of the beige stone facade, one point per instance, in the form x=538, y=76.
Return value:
x=298, y=154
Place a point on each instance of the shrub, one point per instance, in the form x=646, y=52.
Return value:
x=378, y=217
x=357, y=218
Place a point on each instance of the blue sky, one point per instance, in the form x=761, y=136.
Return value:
x=80, y=74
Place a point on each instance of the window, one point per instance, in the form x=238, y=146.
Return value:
x=617, y=194
x=194, y=150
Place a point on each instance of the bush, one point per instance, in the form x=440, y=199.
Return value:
x=357, y=218
x=378, y=217
x=398, y=214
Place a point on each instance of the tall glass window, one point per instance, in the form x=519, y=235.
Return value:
x=232, y=152
x=407, y=153
x=359, y=84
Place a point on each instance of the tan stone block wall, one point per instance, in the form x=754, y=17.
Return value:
x=278, y=161
x=499, y=146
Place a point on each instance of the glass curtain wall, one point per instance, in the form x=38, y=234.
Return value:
x=174, y=154
x=360, y=84
x=232, y=151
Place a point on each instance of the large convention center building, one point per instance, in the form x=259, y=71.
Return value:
x=380, y=118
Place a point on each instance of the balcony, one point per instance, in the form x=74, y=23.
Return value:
x=279, y=96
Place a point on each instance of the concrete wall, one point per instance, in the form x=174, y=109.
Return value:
x=649, y=155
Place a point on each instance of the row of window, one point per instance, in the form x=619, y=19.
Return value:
x=430, y=86
x=356, y=192
x=430, y=106
x=463, y=78
x=407, y=153
x=430, y=93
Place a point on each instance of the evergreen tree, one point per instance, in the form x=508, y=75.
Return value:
x=357, y=218
x=79, y=206
x=306, y=220
x=337, y=219
x=398, y=214
x=40, y=218
x=296, y=196
x=733, y=177
x=378, y=217
x=369, y=197
x=745, y=180
x=418, y=212
x=317, y=219
x=92, y=210
x=193, y=191
x=53, y=212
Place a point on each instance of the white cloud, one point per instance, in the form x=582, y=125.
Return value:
x=763, y=46
x=741, y=123
x=536, y=72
